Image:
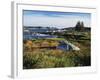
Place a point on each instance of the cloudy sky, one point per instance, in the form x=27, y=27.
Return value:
x=54, y=19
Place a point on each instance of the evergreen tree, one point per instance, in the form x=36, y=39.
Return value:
x=82, y=26
x=79, y=26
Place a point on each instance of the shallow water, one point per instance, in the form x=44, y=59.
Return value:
x=37, y=36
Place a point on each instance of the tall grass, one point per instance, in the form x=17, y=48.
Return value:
x=53, y=58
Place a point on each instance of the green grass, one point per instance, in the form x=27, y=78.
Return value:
x=58, y=39
x=48, y=58
x=54, y=39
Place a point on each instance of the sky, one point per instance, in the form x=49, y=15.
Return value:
x=55, y=19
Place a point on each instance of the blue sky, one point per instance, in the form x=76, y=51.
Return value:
x=54, y=19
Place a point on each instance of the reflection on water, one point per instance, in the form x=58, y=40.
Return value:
x=64, y=46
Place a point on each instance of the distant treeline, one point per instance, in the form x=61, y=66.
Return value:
x=78, y=27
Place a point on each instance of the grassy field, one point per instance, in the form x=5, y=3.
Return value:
x=37, y=55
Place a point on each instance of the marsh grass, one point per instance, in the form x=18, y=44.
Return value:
x=34, y=57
